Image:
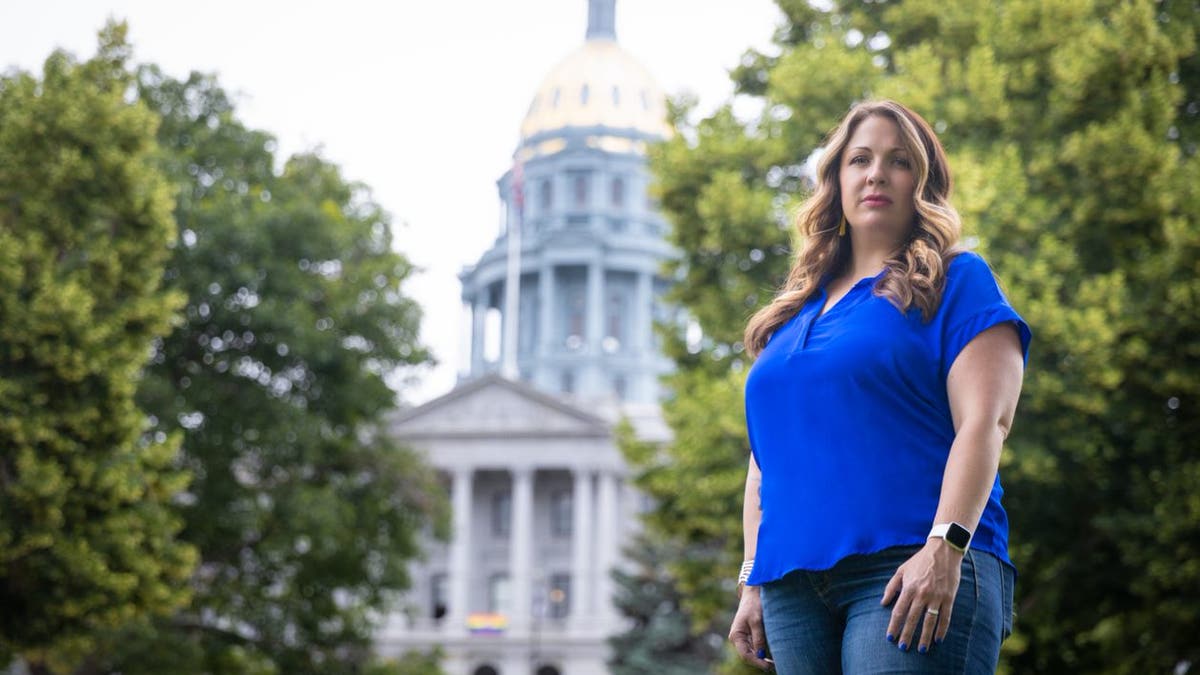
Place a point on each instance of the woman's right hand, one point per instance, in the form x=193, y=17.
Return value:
x=747, y=633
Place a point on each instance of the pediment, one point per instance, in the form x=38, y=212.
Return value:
x=494, y=406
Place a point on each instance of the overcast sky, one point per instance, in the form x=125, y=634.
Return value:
x=420, y=99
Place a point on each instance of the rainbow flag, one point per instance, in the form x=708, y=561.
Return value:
x=485, y=623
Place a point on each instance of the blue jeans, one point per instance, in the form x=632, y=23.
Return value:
x=830, y=621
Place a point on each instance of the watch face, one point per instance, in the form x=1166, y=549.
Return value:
x=958, y=536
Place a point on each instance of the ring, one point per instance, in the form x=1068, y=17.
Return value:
x=932, y=611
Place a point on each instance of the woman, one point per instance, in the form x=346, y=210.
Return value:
x=887, y=375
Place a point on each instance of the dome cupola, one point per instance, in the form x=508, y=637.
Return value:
x=597, y=85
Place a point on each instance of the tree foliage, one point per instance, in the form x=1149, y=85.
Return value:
x=413, y=663
x=1072, y=129
x=87, y=536
x=659, y=637
x=305, y=514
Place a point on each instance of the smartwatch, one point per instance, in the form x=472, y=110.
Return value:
x=956, y=535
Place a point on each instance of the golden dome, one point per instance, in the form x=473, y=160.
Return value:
x=599, y=84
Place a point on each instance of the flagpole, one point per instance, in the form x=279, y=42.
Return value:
x=512, y=281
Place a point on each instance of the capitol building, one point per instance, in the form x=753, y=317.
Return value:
x=569, y=291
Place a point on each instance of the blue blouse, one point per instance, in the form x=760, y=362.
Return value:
x=849, y=421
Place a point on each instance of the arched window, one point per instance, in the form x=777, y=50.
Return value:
x=485, y=669
x=582, y=179
x=548, y=670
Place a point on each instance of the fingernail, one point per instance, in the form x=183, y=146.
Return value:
x=891, y=638
x=762, y=653
x=922, y=649
x=903, y=647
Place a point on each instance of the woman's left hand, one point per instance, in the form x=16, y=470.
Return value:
x=923, y=589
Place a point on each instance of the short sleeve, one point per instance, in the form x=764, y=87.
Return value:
x=972, y=303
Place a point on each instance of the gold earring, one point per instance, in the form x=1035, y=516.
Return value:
x=842, y=226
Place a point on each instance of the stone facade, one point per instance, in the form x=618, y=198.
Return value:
x=539, y=491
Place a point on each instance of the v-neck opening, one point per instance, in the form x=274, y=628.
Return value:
x=825, y=294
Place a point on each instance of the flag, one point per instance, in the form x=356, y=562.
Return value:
x=486, y=623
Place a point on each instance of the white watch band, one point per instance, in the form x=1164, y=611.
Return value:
x=941, y=530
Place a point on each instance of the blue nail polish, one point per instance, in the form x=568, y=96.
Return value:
x=922, y=649
x=903, y=647
x=937, y=641
x=891, y=638
x=762, y=653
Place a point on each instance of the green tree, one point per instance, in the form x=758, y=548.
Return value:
x=725, y=191
x=660, y=638
x=304, y=512
x=87, y=535
x=413, y=663
x=1072, y=128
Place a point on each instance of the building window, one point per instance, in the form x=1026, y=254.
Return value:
x=560, y=596
x=560, y=513
x=619, y=387
x=615, y=325
x=499, y=593
x=548, y=670
x=568, y=382
x=486, y=670
x=583, y=95
x=575, y=316
x=502, y=513
x=493, y=324
x=547, y=194
x=554, y=98
x=437, y=586
x=616, y=95
x=581, y=190
x=618, y=192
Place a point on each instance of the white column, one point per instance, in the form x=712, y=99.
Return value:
x=543, y=377
x=643, y=385
x=643, y=304
x=593, y=375
x=595, y=307
x=545, y=308
x=520, y=553
x=582, y=585
x=478, y=325
x=606, y=544
x=460, y=551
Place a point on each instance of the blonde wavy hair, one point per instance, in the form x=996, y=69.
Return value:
x=916, y=272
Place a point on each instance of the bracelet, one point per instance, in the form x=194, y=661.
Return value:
x=744, y=575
